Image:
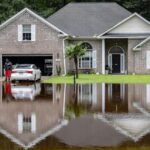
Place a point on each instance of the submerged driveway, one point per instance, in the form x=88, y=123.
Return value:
x=87, y=131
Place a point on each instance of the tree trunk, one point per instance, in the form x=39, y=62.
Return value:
x=76, y=67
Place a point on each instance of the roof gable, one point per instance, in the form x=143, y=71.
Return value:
x=138, y=47
x=88, y=19
x=130, y=25
x=34, y=15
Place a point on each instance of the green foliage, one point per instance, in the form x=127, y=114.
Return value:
x=93, y=78
x=74, y=51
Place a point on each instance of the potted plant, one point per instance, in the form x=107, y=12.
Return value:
x=107, y=69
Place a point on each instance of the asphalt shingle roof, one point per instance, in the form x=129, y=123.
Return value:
x=88, y=19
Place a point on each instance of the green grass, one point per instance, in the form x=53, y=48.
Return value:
x=93, y=78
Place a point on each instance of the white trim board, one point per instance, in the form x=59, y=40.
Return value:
x=128, y=37
x=33, y=14
x=123, y=21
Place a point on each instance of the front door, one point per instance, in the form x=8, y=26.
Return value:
x=115, y=63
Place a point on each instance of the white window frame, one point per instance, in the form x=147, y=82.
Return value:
x=22, y=125
x=94, y=59
x=122, y=63
x=148, y=93
x=92, y=62
x=20, y=32
x=26, y=32
x=148, y=59
x=91, y=97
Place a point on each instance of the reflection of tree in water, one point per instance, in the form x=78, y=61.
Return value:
x=58, y=92
x=75, y=108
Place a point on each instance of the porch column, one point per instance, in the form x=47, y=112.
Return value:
x=1, y=66
x=103, y=56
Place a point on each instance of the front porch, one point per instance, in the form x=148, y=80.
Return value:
x=114, y=56
x=103, y=56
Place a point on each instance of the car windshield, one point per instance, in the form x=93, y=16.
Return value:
x=24, y=66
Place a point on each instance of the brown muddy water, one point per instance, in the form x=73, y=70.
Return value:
x=50, y=116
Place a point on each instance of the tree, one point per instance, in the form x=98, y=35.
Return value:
x=75, y=51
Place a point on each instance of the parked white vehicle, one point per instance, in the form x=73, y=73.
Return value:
x=26, y=72
x=21, y=91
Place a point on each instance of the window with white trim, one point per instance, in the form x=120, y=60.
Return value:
x=85, y=62
x=148, y=60
x=26, y=32
x=88, y=60
x=87, y=93
x=26, y=123
x=148, y=93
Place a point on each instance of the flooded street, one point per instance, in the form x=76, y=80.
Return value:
x=39, y=116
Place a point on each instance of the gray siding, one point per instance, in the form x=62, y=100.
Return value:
x=47, y=41
x=137, y=59
x=97, y=45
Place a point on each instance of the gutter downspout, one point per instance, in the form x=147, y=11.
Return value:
x=64, y=56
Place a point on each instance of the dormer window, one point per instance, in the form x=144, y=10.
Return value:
x=26, y=34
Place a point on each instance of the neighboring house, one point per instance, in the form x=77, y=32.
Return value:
x=113, y=37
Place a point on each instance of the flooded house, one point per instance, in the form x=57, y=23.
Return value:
x=113, y=37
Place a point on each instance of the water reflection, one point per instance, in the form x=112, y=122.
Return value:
x=25, y=91
x=29, y=112
x=116, y=98
x=125, y=108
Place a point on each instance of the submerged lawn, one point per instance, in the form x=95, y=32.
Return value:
x=93, y=78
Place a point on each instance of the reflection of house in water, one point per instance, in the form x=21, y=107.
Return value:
x=84, y=94
x=26, y=121
x=125, y=107
x=135, y=99
x=29, y=113
x=139, y=94
x=116, y=99
x=134, y=126
x=110, y=98
x=100, y=97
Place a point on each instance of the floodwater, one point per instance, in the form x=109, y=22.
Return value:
x=46, y=116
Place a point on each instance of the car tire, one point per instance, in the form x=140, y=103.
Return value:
x=40, y=78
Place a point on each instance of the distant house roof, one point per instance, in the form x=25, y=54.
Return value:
x=88, y=19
